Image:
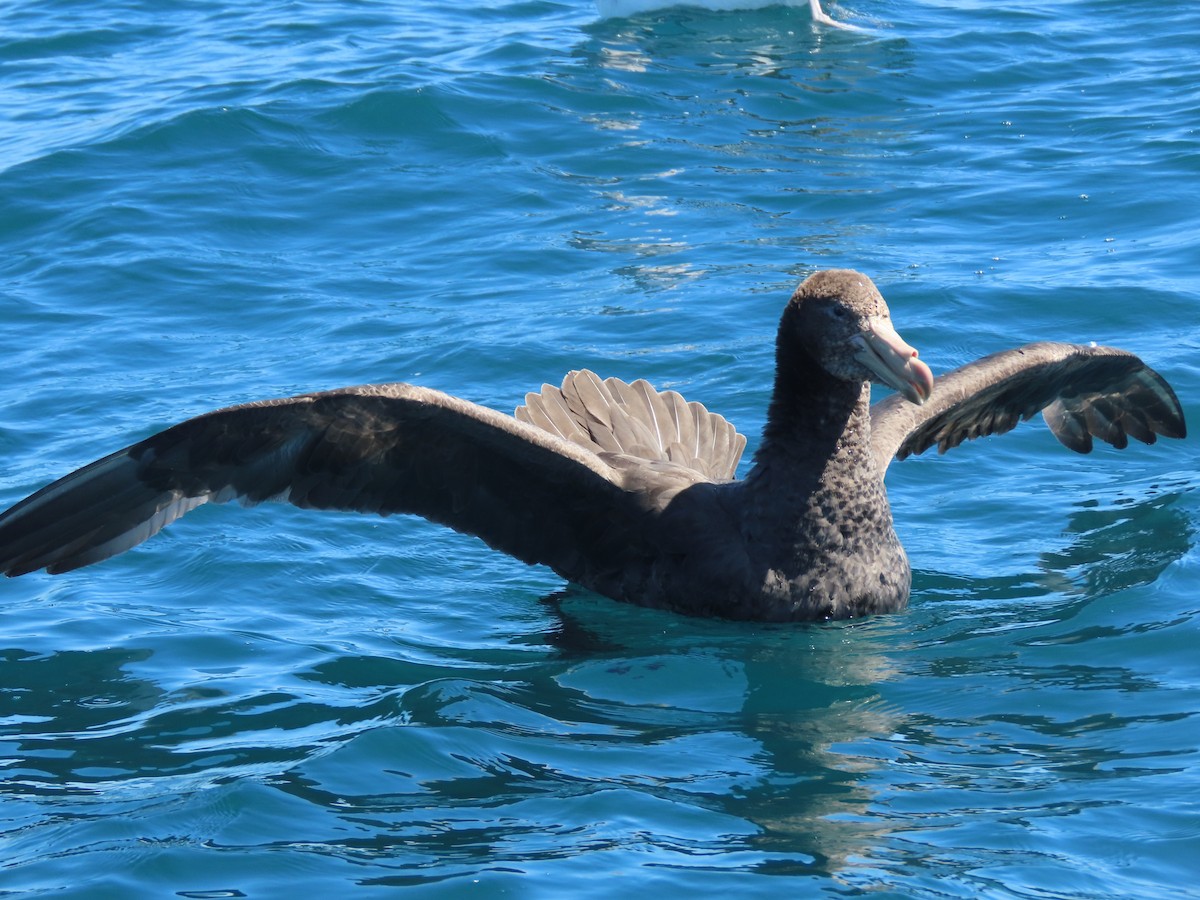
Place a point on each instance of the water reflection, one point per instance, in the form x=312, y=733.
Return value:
x=63, y=715
x=83, y=723
x=621, y=735
x=1106, y=548
x=743, y=745
x=738, y=743
x=713, y=128
x=1128, y=543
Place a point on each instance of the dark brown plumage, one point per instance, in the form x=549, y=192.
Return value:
x=616, y=486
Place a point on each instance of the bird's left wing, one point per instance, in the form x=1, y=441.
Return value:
x=391, y=448
x=1081, y=391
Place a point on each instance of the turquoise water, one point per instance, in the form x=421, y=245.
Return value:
x=205, y=203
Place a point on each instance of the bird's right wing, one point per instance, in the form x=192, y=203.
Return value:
x=1081, y=391
x=637, y=421
x=391, y=448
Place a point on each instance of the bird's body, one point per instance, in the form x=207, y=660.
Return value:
x=618, y=487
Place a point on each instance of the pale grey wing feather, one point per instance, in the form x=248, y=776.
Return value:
x=655, y=414
x=590, y=399
x=637, y=418
x=1083, y=392
x=377, y=448
x=555, y=418
x=611, y=416
x=686, y=425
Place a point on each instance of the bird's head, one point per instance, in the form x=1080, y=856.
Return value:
x=839, y=318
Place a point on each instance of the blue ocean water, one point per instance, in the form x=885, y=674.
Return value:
x=203, y=203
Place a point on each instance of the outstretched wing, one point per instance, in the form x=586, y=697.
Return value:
x=391, y=448
x=637, y=421
x=1082, y=392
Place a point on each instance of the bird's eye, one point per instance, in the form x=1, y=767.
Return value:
x=840, y=312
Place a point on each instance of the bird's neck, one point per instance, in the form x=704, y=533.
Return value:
x=818, y=427
x=816, y=520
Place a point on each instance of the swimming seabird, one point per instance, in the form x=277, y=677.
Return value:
x=613, y=9
x=618, y=487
